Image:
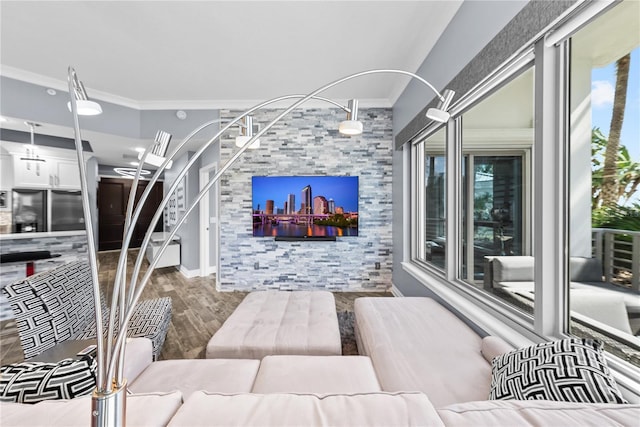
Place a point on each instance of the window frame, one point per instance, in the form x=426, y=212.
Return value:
x=418, y=199
x=549, y=210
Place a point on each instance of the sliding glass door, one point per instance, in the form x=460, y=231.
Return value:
x=492, y=210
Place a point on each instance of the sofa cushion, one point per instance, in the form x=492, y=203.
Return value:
x=137, y=357
x=585, y=269
x=190, y=375
x=513, y=268
x=316, y=374
x=570, y=370
x=149, y=410
x=32, y=382
x=538, y=413
x=602, y=306
x=630, y=296
x=368, y=409
x=493, y=347
x=416, y=344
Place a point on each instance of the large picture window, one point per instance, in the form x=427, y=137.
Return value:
x=604, y=181
x=540, y=222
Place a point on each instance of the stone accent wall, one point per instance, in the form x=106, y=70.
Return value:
x=306, y=142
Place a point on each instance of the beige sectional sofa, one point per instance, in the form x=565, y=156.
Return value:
x=416, y=344
x=421, y=365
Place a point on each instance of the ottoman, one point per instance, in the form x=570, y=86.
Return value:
x=279, y=322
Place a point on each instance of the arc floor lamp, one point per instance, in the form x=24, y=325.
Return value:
x=108, y=400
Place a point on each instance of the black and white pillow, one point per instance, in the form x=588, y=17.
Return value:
x=32, y=382
x=569, y=370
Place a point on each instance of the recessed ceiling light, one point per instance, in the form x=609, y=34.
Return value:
x=51, y=92
x=181, y=114
x=139, y=149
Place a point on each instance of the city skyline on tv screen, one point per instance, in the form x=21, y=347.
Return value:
x=305, y=206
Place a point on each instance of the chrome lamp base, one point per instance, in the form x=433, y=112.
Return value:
x=109, y=409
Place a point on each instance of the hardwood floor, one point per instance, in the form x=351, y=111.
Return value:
x=198, y=309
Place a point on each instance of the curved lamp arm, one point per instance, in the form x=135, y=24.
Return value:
x=106, y=366
x=120, y=276
x=86, y=209
x=441, y=116
x=127, y=238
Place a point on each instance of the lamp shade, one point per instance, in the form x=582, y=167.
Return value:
x=438, y=115
x=350, y=127
x=86, y=107
x=155, y=160
x=241, y=141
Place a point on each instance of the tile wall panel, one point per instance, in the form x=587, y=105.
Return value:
x=306, y=142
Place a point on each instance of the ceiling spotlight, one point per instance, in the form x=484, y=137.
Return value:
x=139, y=149
x=181, y=114
x=84, y=106
x=51, y=92
x=351, y=126
x=246, y=133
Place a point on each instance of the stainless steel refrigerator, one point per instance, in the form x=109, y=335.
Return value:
x=66, y=211
x=29, y=211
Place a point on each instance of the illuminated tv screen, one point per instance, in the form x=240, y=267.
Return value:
x=305, y=206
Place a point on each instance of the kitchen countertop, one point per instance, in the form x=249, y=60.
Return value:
x=12, y=236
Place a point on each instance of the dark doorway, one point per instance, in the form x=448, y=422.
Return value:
x=113, y=194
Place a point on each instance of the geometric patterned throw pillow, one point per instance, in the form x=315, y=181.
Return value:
x=569, y=370
x=32, y=382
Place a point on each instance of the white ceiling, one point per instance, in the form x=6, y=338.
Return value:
x=218, y=54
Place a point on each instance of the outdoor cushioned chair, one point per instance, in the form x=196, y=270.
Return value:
x=57, y=305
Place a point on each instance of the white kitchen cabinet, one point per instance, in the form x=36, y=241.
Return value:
x=52, y=173
x=66, y=174
x=6, y=172
x=30, y=174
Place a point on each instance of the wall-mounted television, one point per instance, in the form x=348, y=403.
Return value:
x=305, y=207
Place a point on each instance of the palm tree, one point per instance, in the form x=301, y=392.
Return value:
x=609, y=192
x=627, y=171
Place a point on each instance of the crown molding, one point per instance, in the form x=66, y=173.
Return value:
x=62, y=85
x=243, y=104
x=219, y=104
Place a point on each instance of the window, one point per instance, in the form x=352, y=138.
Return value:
x=431, y=200
x=604, y=210
x=497, y=137
x=496, y=140
x=530, y=191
